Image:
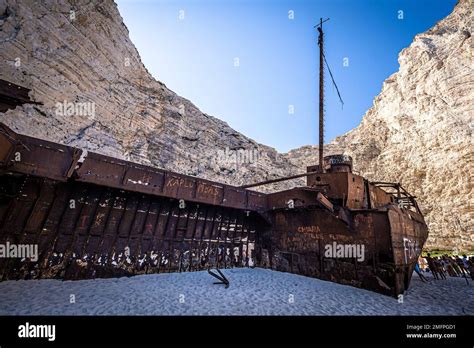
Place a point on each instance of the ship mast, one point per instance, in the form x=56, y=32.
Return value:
x=321, y=93
x=322, y=60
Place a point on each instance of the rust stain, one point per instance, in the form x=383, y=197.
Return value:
x=127, y=219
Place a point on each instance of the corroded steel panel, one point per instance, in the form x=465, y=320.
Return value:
x=209, y=193
x=50, y=228
x=7, y=145
x=379, y=197
x=355, y=192
x=292, y=198
x=302, y=237
x=333, y=185
x=180, y=187
x=101, y=170
x=56, y=160
x=407, y=237
x=42, y=205
x=235, y=197
x=19, y=209
x=143, y=179
x=257, y=201
x=31, y=156
x=96, y=216
x=12, y=95
x=102, y=213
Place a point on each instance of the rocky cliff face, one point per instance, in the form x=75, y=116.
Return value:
x=78, y=60
x=419, y=130
x=78, y=54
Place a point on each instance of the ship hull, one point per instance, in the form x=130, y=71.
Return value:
x=92, y=216
x=376, y=250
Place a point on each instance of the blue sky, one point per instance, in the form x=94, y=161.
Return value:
x=195, y=56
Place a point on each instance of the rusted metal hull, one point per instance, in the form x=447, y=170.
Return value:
x=300, y=237
x=95, y=216
x=12, y=95
x=109, y=232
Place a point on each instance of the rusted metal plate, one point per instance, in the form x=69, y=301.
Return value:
x=41, y=208
x=20, y=208
x=102, y=213
x=128, y=217
x=41, y=158
x=292, y=198
x=303, y=236
x=143, y=179
x=26, y=155
x=12, y=95
x=209, y=193
x=407, y=237
x=235, y=197
x=379, y=197
x=257, y=201
x=98, y=216
x=334, y=185
x=140, y=216
x=324, y=201
x=8, y=139
x=50, y=228
x=102, y=170
x=179, y=186
x=355, y=192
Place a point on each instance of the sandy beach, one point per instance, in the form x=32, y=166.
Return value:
x=251, y=292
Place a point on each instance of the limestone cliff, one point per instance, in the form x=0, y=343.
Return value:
x=419, y=130
x=79, y=52
x=73, y=53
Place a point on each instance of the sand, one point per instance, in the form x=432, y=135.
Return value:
x=251, y=292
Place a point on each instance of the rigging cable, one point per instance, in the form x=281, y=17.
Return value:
x=334, y=82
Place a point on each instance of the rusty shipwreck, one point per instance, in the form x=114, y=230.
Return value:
x=95, y=216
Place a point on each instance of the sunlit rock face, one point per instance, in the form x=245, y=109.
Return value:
x=419, y=130
x=80, y=52
x=79, y=62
